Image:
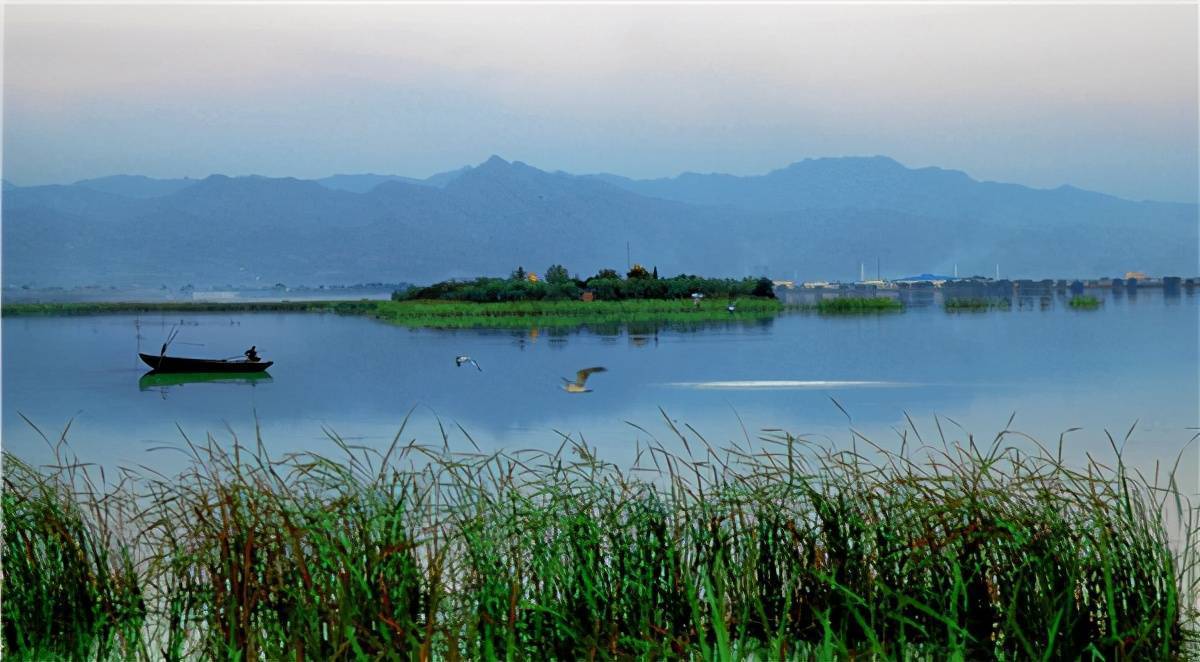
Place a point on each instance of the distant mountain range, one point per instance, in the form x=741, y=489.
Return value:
x=817, y=218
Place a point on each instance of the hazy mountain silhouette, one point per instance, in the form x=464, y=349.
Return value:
x=135, y=186
x=882, y=183
x=365, y=182
x=362, y=183
x=816, y=218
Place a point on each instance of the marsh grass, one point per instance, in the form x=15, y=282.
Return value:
x=960, y=304
x=854, y=305
x=523, y=314
x=1084, y=302
x=787, y=550
x=71, y=588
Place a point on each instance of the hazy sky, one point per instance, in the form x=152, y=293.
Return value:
x=1102, y=97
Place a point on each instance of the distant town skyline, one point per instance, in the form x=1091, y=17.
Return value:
x=1099, y=97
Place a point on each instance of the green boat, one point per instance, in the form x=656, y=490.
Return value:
x=155, y=379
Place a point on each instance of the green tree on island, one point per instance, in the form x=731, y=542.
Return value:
x=557, y=273
x=607, y=285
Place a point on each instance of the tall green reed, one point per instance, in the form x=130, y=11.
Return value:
x=71, y=588
x=780, y=549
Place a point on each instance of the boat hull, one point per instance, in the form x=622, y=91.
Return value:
x=180, y=364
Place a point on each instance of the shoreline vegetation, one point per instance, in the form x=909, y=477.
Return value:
x=522, y=300
x=977, y=304
x=453, y=314
x=793, y=550
x=520, y=314
x=852, y=306
x=1084, y=302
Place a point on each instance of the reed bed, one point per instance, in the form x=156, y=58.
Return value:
x=787, y=550
x=959, y=304
x=523, y=314
x=855, y=305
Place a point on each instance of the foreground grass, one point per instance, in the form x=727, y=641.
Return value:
x=792, y=552
x=70, y=587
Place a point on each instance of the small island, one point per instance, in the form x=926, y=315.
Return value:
x=523, y=299
x=558, y=299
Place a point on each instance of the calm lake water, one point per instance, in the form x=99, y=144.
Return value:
x=1133, y=360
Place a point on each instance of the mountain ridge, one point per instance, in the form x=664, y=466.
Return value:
x=364, y=182
x=815, y=217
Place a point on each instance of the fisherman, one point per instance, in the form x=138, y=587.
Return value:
x=251, y=354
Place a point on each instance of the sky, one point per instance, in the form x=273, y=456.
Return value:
x=1103, y=97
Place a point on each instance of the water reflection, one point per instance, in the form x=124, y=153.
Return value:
x=639, y=334
x=1024, y=295
x=163, y=382
x=362, y=378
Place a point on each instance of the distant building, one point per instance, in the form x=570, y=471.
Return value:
x=934, y=279
x=587, y=296
x=878, y=284
x=1130, y=275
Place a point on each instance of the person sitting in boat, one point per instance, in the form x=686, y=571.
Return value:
x=251, y=354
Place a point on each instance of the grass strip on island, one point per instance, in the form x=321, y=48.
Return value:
x=792, y=551
x=522, y=314
x=1086, y=302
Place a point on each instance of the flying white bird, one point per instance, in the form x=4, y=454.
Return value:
x=581, y=377
x=460, y=360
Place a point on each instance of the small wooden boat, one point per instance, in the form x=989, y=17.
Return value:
x=180, y=364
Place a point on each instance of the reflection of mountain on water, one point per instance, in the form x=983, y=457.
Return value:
x=159, y=380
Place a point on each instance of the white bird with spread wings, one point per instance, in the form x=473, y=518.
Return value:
x=581, y=378
x=464, y=359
